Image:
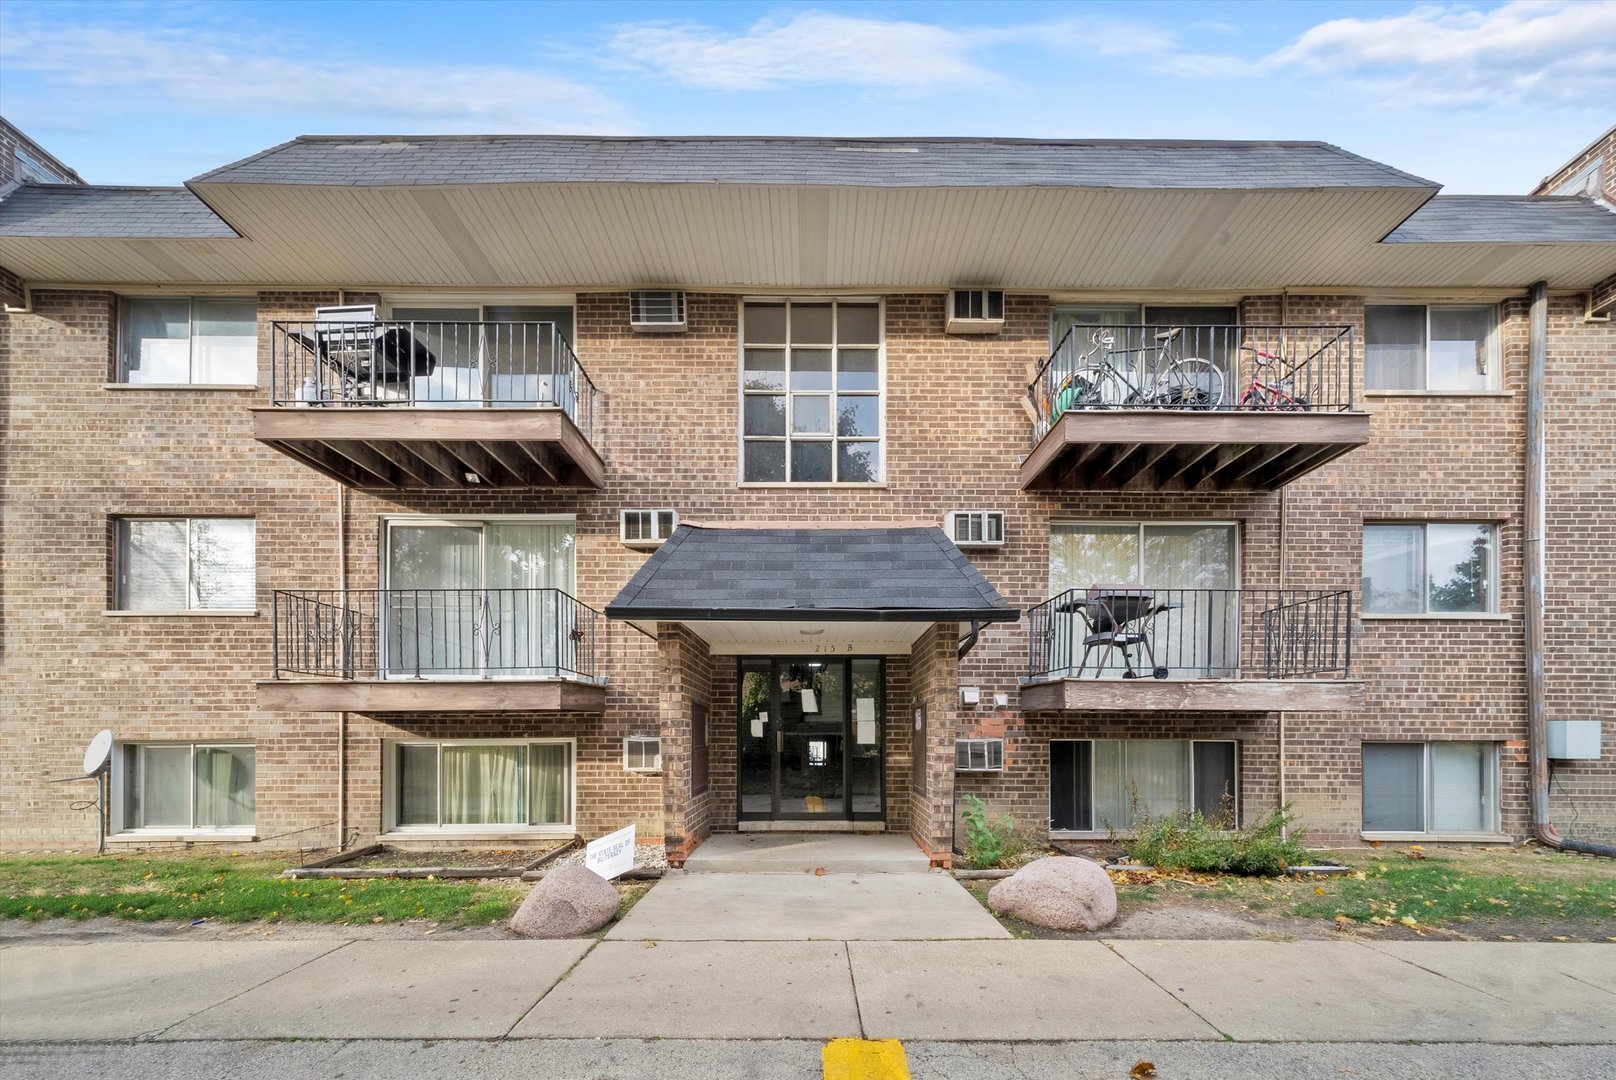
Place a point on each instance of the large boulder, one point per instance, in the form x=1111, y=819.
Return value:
x=1060, y=892
x=570, y=901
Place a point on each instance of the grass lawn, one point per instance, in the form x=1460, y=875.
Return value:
x=228, y=888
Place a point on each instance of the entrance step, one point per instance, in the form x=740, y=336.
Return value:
x=803, y=853
x=812, y=827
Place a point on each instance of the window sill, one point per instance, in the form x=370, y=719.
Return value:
x=188, y=836
x=811, y=487
x=1424, y=837
x=1439, y=393
x=189, y=613
x=237, y=387
x=537, y=832
x=1439, y=616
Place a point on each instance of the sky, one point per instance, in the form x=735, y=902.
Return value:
x=1480, y=97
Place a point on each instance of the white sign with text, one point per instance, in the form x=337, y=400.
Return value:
x=612, y=855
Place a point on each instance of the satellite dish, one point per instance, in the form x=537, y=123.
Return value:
x=99, y=754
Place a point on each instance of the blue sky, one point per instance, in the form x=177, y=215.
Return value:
x=1482, y=97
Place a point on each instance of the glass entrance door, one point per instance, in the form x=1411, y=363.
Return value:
x=810, y=739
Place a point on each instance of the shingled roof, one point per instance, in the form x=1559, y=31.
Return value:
x=386, y=161
x=878, y=574
x=1507, y=219
x=170, y=213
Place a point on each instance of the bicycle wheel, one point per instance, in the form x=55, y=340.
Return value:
x=1256, y=398
x=1190, y=383
x=1093, y=388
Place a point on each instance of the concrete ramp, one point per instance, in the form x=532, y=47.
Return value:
x=804, y=853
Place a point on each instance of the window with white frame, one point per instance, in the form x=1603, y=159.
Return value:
x=1416, y=568
x=1441, y=347
x=811, y=378
x=183, y=787
x=175, y=340
x=503, y=783
x=1100, y=784
x=1441, y=787
x=642, y=753
x=185, y=564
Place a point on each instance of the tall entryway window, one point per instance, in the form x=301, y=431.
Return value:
x=810, y=737
x=479, y=599
x=1181, y=580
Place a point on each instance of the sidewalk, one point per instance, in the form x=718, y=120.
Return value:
x=993, y=990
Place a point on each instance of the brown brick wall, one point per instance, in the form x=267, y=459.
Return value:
x=1603, y=148
x=77, y=453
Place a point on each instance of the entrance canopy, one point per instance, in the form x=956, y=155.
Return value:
x=780, y=590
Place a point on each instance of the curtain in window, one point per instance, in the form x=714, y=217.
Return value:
x=482, y=785
x=152, y=569
x=1152, y=775
x=551, y=798
x=224, y=787
x=1394, y=347
x=535, y=628
x=1393, y=787
x=432, y=614
x=1461, y=787
x=225, y=341
x=165, y=787
x=157, y=341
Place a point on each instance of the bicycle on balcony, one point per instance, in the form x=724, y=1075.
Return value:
x=1149, y=376
x=1273, y=383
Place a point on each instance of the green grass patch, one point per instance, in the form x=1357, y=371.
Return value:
x=1443, y=890
x=233, y=889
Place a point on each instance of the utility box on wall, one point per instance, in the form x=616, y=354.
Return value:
x=1573, y=740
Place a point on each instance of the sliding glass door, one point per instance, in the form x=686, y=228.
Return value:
x=479, y=599
x=493, y=355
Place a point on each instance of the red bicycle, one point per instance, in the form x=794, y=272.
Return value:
x=1273, y=383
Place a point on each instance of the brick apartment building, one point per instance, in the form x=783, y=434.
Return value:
x=457, y=490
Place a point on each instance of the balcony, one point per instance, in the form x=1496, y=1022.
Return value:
x=1191, y=408
x=432, y=405
x=1132, y=648
x=433, y=650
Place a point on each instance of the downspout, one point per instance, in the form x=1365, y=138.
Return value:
x=1285, y=827
x=342, y=717
x=1535, y=568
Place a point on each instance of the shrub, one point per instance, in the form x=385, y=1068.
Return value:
x=1188, y=841
x=985, y=842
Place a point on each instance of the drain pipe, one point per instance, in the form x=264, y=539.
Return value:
x=342, y=717
x=1536, y=565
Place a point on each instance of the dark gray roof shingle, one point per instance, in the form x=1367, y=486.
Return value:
x=911, y=573
x=128, y=212
x=378, y=161
x=1507, y=219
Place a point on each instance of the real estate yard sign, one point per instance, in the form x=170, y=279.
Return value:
x=612, y=855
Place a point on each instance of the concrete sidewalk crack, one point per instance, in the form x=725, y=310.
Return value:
x=1168, y=992
x=1585, y=982
x=152, y=1036
x=1393, y=956
x=593, y=945
x=858, y=1007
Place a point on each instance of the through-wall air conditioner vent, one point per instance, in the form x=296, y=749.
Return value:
x=975, y=528
x=657, y=312
x=979, y=755
x=975, y=311
x=646, y=528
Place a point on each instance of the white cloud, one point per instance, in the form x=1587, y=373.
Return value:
x=1544, y=52
x=812, y=47
x=237, y=74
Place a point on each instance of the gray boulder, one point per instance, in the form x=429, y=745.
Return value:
x=1060, y=892
x=570, y=901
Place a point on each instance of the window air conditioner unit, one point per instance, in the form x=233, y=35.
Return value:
x=657, y=312
x=975, y=528
x=646, y=528
x=979, y=755
x=642, y=753
x=975, y=311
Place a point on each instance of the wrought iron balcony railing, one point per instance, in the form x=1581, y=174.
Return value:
x=444, y=365
x=1137, y=631
x=362, y=634
x=1195, y=368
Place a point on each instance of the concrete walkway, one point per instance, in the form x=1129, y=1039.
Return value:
x=994, y=990
x=803, y=853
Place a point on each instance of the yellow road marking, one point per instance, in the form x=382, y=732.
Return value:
x=865, y=1059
